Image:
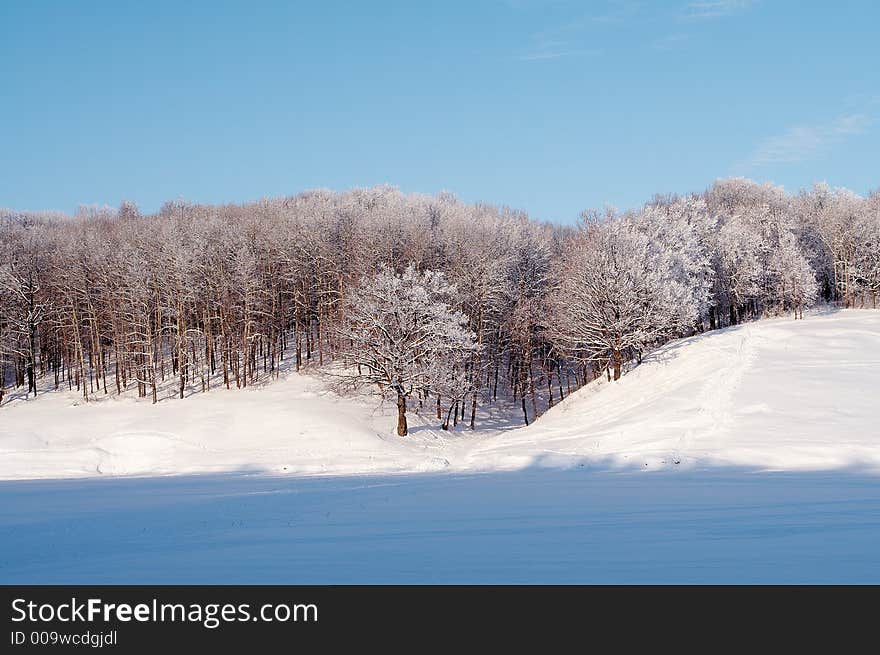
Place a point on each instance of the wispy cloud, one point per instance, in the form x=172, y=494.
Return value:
x=567, y=38
x=617, y=11
x=547, y=55
x=707, y=9
x=542, y=56
x=670, y=42
x=520, y=5
x=804, y=142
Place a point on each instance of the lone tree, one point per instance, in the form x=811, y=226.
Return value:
x=400, y=334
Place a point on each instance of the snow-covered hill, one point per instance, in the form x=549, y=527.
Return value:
x=776, y=394
x=291, y=425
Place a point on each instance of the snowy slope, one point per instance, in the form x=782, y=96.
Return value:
x=777, y=394
x=288, y=426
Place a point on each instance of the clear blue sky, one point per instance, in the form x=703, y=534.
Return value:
x=551, y=106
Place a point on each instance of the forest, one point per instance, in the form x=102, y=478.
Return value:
x=419, y=299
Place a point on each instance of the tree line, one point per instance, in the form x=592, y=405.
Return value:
x=418, y=297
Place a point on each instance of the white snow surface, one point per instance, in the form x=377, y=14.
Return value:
x=531, y=526
x=770, y=395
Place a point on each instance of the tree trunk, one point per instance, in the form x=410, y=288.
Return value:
x=32, y=358
x=532, y=389
x=617, y=361
x=448, y=416
x=401, y=415
x=559, y=377
x=181, y=350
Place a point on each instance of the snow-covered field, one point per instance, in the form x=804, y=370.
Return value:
x=288, y=426
x=532, y=526
x=749, y=454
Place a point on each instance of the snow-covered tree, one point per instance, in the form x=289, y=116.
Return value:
x=764, y=249
x=680, y=233
x=795, y=284
x=834, y=215
x=619, y=293
x=400, y=335
x=24, y=300
x=868, y=254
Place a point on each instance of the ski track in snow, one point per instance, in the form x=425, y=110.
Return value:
x=716, y=397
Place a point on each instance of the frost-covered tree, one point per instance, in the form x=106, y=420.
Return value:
x=680, y=231
x=478, y=258
x=764, y=247
x=24, y=300
x=620, y=292
x=529, y=278
x=834, y=216
x=868, y=253
x=400, y=335
x=795, y=284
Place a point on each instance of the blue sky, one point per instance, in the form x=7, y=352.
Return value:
x=551, y=106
